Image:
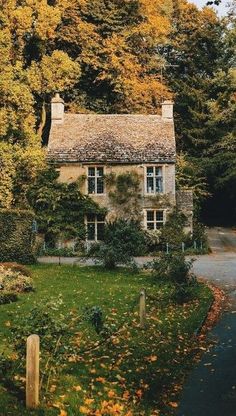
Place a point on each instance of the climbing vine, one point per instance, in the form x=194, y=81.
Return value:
x=124, y=193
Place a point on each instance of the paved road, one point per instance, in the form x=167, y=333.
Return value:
x=211, y=388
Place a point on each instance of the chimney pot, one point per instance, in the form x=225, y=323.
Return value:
x=167, y=110
x=57, y=109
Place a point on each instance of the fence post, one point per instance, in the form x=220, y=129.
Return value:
x=32, y=372
x=167, y=248
x=142, y=308
x=195, y=245
x=183, y=247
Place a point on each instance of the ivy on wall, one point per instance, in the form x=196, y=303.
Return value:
x=125, y=195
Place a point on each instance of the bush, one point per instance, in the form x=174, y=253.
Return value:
x=183, y=293
x=122, y=241
x=173, y=231
x=200, y=235
x=14, y=281
x=7, y=297
x=172, y=267
x=16, y=236
x=17, y=268
x=175, y=269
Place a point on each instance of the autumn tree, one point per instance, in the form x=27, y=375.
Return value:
x=115, y=43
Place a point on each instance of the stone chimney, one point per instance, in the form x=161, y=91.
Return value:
x=57, y=109
x=167, y=110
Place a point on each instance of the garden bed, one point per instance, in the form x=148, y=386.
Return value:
x=132, y=371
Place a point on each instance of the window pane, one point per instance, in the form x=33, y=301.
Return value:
x=100, y=231
x=91, y=171
x=159, y=215
x=100, y=172
x=100, y=186
x=159, y=171
x=91, y=185
x=149, y=171
x=150, y=225
x=159, y=225
x=158, y=185
x=101, y=217
x=91, y=217
x=150, y=185
x=91, y=231
x=150, y=215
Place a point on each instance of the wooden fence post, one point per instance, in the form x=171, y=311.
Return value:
x=142, y=308
x=32, y=372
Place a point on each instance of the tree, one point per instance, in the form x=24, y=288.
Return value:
x=115, y=43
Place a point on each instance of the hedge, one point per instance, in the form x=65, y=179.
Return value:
x=16, y=236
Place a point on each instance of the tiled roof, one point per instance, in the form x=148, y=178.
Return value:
x=118, y=138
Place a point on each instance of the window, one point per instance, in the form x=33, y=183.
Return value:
x=95, y=227
x=154, y=219
x=154, y=179
x=95, y=180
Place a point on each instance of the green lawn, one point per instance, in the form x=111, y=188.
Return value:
x=136, y=372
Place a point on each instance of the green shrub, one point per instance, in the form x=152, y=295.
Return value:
x=94, y=316
x=173, y=231
x=16, y=236
x=200, y=236
x=175, y=269
x=183, y=293
x=172, y=267
x=122, y=241
x=7, y=297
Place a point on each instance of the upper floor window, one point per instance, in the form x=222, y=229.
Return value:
x=154, y=179
x=95, y=180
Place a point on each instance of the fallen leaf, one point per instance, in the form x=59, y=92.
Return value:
x=173, y=404
x=77, y=388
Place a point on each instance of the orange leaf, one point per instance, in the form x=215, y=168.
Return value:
x=63, y=413
x=100, y=379
x=77, y=388
x=173, y=404
x=84, y=410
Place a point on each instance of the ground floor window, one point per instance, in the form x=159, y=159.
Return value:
x=95, y=227
x=154, y=219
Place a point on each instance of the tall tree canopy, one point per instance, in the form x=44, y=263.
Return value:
x=118, y=56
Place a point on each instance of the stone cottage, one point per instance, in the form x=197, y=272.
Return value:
x=96, y=147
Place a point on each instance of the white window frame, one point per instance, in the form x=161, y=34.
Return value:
x=96, y=222
x=96, y=177
x=155, y=192
x=155, y=222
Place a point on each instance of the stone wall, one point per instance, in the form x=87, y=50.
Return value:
x=72, y=172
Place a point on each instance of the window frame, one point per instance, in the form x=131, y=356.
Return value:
x=154, y=167
x=155, y=221
x=96, y=222
x=96, y=178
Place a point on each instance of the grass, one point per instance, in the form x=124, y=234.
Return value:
x=135, y=372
